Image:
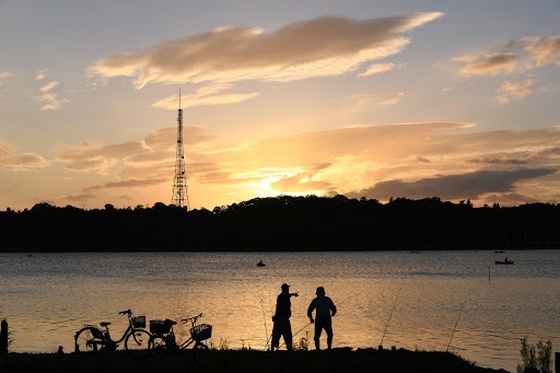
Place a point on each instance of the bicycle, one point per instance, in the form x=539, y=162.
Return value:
x=163, y=337
x=91, y=338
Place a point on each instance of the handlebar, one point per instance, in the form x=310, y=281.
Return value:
x=191, y=319
x=127, y=312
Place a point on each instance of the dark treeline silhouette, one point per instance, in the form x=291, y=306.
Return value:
x=284, y=223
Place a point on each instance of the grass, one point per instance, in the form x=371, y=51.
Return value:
x=245, y=360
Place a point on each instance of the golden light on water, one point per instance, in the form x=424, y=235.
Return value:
x=427, y=301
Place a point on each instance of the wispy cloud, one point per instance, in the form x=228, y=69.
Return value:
x=23, y=162
x=521, y=56
x=11, y=160
x=156, y=149
x=41, y=74
x=510, y=91
x=545, y=50
x=90, y=157
x=536, y=52
x=492, y=64
x=392, y=100
x=210, y=94
x=6, y=75
x=49, y=100
x=377, y=68
x=325, y=46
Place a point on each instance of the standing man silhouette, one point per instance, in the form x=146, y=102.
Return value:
x=281, y=318
x=324, y=308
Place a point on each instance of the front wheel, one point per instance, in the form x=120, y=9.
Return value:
x=201, y=352
x=89, y=339
x=138, y=339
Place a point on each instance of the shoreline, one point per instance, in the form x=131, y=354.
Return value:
x=244, y=360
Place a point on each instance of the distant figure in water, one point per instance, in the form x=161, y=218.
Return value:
x=281, y=318
x=260, y=264
x=324, y=308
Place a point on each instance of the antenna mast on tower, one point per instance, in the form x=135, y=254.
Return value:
x=180, y=197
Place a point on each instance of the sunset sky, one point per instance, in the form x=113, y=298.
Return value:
x=452, y=99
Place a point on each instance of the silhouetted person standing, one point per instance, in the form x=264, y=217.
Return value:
x=281, y=318
x=324, y=308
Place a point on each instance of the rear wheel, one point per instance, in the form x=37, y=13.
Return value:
x=89, y=339
x=158, y=347
x=138, y=339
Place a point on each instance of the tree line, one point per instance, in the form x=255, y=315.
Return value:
x=284, y=223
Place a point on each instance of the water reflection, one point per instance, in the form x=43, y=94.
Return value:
x=47, y=297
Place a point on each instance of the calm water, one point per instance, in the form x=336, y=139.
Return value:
x=428, y=300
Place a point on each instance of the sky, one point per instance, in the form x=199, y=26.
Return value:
x=365, y=98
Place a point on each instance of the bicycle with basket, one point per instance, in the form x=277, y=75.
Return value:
x=92, y=338
x=163, y=338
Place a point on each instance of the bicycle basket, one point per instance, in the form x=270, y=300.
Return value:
x=159, y=327
x=139, y=321
x=201, y=332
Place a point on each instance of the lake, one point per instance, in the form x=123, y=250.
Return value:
x=459, y=301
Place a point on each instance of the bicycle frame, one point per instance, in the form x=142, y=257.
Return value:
x=103, y=339
x=187, y=343
x=191, y=342
x=107, y=334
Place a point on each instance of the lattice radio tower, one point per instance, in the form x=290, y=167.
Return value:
x=180, y=196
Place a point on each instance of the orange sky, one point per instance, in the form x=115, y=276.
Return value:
x=367, y=98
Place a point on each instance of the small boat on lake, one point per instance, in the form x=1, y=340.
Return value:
x=505, y=261
x=261, y=264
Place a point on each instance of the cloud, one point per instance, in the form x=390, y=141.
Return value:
x=41, y=74
x=493, y=64
x=11, y=160
x=301, y=183
x=89, y=157
x=413, y=160
x=158, y=147
x=129, y=184
x=393, y=100
x=5, y=75
x=522, y=56
x=537, y=52
x=399, y=160
x=510, y=91
x=470, y=185
x=22, y=162
x=94, y=191
x=91, y=151
x=325, y=46
x=545, y=50
x=211, y=94
x=377, y=68
x=48, y=99
x=6, y=150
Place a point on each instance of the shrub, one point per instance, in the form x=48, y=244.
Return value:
x=535, y=357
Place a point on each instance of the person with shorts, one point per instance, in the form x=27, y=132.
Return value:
x=324, y=310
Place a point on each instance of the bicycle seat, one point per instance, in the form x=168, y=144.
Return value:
x=104, y=323
x=170, y=322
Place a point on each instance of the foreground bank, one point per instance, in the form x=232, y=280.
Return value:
x=337, y=360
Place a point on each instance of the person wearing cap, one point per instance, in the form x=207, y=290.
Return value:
x=324, y=308
x=281, y=318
